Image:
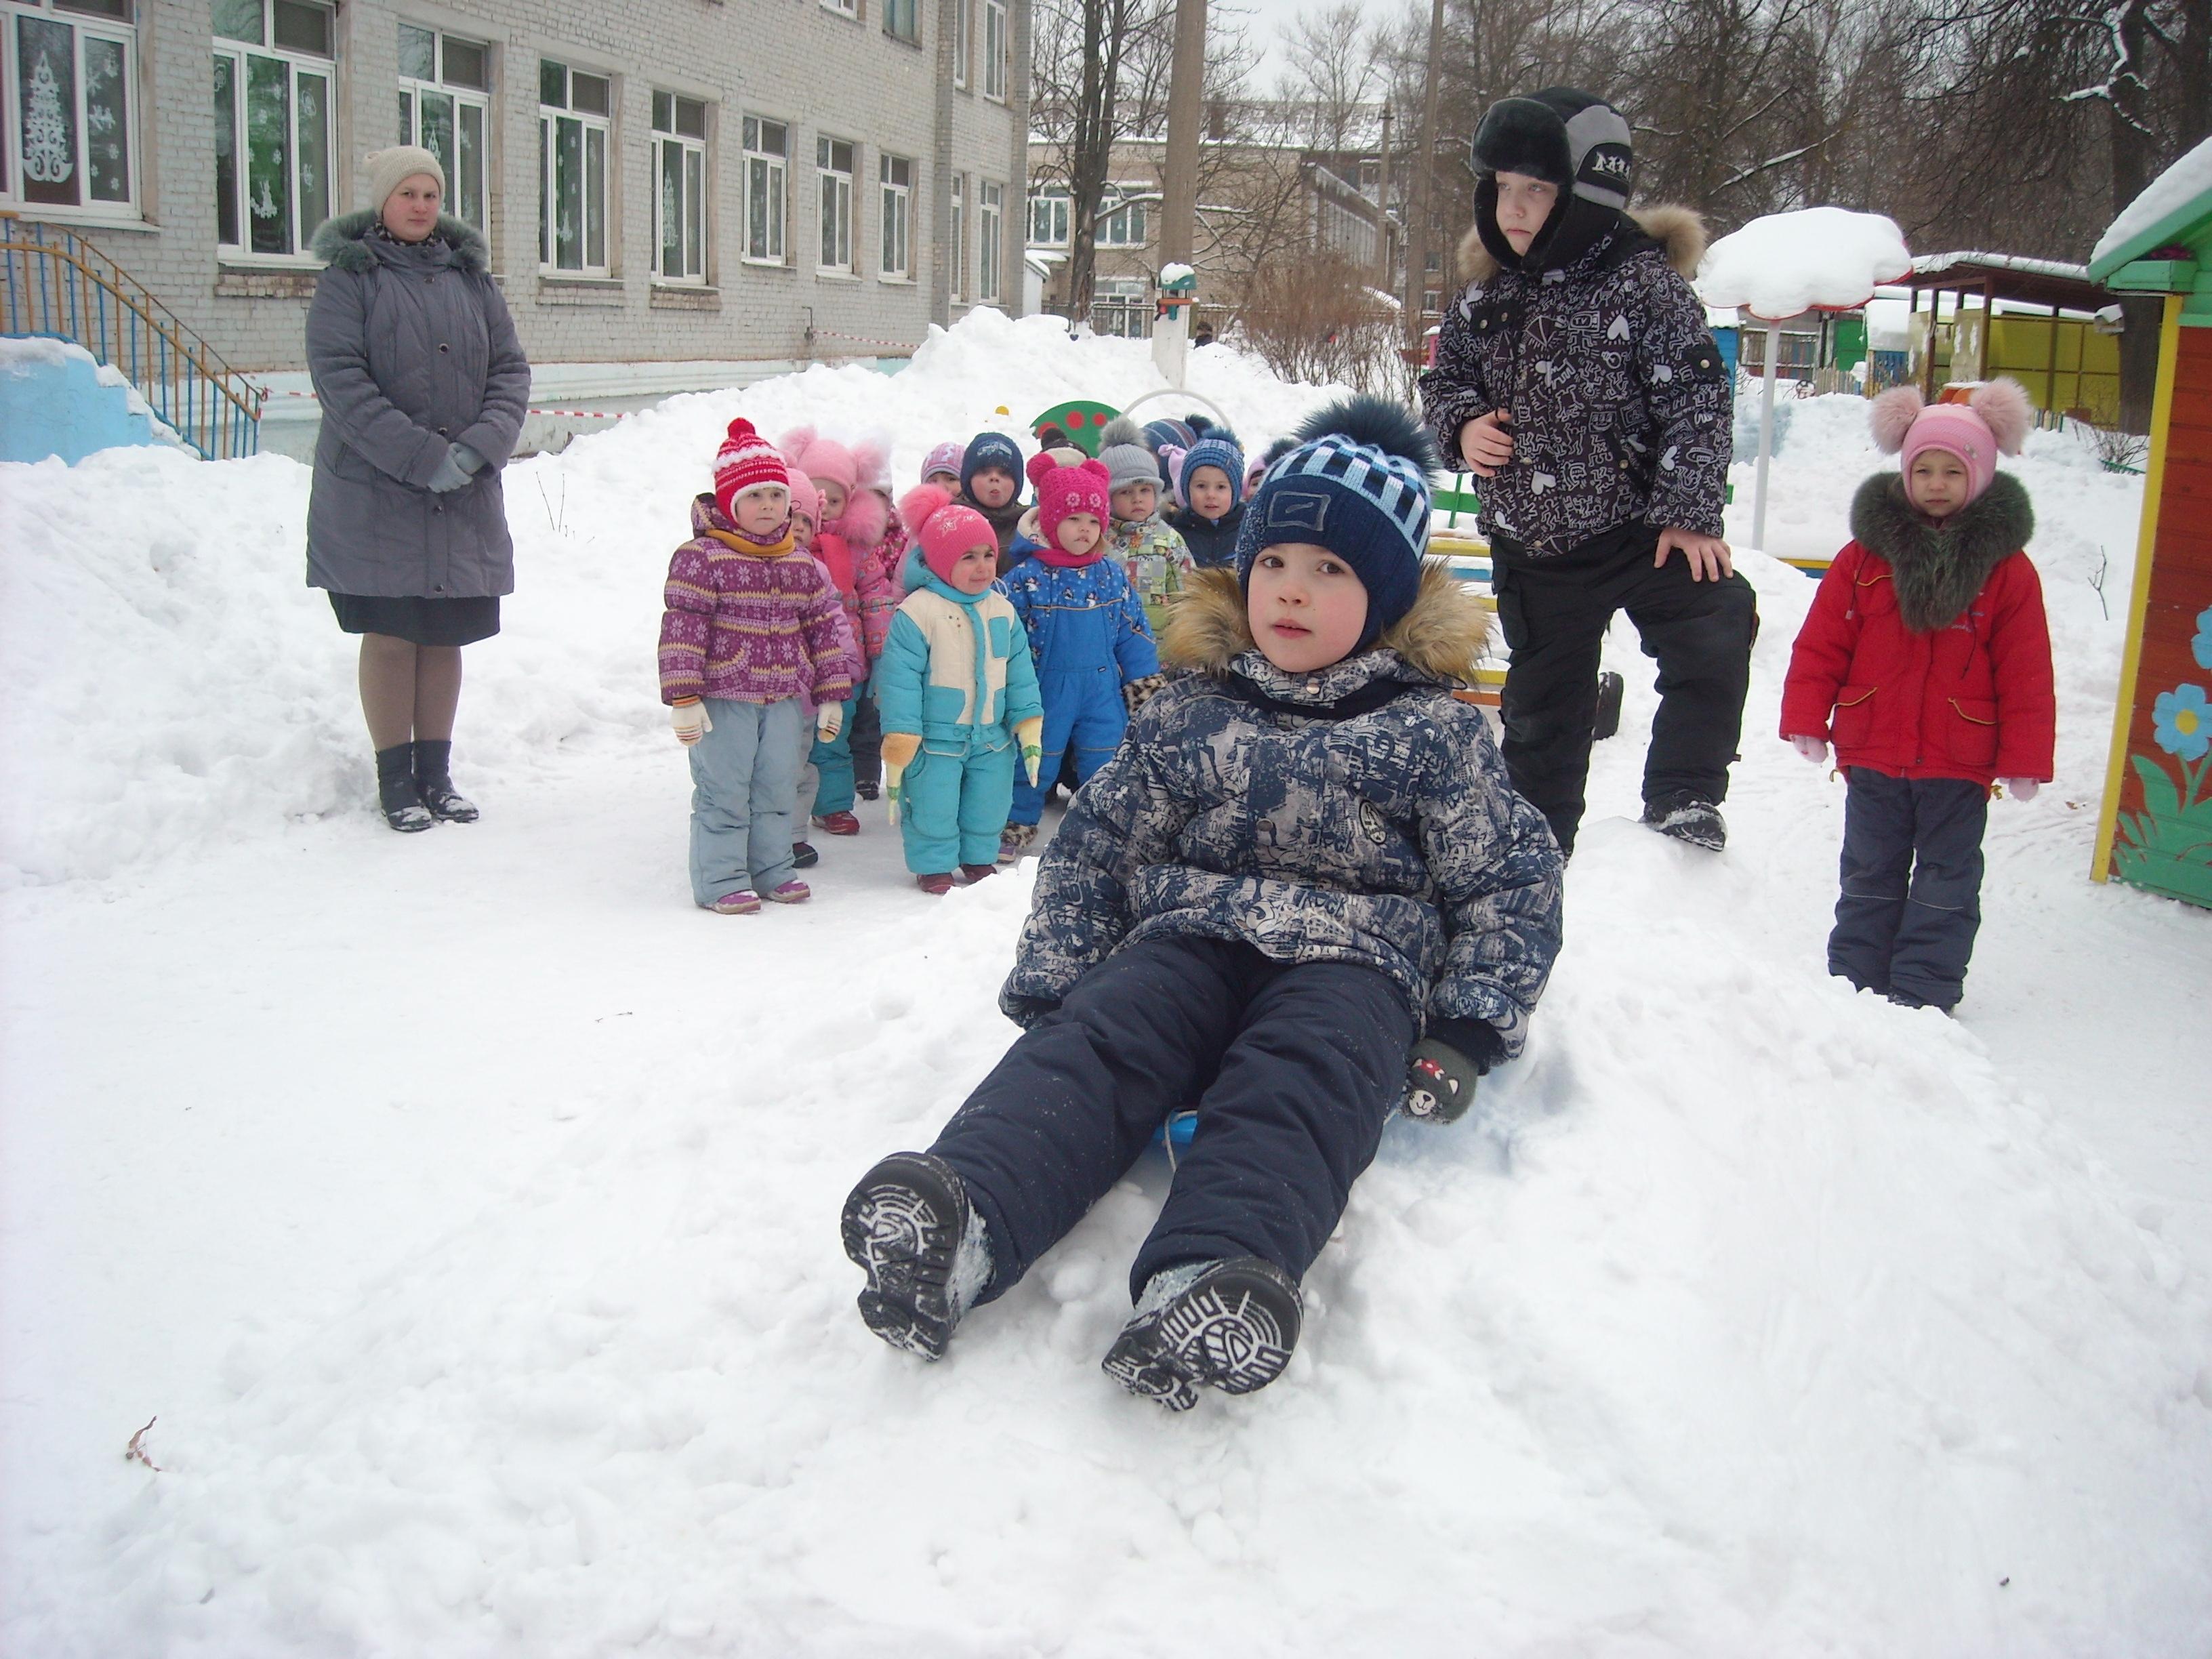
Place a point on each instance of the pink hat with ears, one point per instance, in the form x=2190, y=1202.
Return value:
x=1063, y=491
x=946, y=528
x=1994, y=419
x=822, y=459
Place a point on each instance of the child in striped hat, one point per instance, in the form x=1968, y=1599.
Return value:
x=1302, y=893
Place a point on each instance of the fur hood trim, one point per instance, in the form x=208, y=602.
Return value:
x=1441, y=637
x=866, y=518
x=1680, y=232
x=1938, y=569
x=346, y=242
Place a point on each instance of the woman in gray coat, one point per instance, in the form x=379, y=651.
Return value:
x=423, y=387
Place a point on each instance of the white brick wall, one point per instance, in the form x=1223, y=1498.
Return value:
x=793, y=60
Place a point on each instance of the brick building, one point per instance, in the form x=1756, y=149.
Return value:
x=702, y=182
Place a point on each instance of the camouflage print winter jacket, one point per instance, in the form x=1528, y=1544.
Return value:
x=1621, y=406
x=1360, y=813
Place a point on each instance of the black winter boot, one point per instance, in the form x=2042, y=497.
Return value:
x=909, y=1225
x=395, y=790
x=1687, y=818
x=434, y=781
x=1227, y=1325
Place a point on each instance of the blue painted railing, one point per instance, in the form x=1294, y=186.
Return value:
x=54, y=284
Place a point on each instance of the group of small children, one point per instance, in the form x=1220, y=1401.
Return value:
x=908, y=655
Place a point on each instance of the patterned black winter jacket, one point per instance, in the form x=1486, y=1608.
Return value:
x=1381, y=829
x=1622, y=407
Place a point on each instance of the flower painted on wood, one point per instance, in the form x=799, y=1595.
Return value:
x=2181, y=723
x=2200, y=647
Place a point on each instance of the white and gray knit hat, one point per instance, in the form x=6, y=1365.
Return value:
x=1128, y=458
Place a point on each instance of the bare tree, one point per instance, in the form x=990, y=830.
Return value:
x=1334, y=73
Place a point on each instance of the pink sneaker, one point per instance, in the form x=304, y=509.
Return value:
x=743, y=902
x=794, y=892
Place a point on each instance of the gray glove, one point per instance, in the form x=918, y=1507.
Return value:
x=461, y=464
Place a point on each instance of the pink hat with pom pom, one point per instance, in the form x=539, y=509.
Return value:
x=1994, y=419
x=822, y=459
x=1064, y=491
x=746, y=461
x=944, y=528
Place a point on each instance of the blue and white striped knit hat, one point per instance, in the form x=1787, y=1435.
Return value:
x=1210, y=451
x=1357, y=485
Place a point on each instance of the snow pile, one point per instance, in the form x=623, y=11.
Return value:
x=1783, y=263
x=2173, y=189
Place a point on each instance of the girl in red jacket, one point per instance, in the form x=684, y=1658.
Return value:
x=1926, y=659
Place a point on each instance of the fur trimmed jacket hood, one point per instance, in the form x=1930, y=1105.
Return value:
x=1360, y=813
x=1678, y=231
x=1938, y=569
x=350, y=242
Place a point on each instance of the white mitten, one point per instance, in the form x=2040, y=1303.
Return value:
x=2021, y=788
x=1814, y=750
x=829, y=720
x=689, y=719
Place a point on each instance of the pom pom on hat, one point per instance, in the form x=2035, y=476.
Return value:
x=1124, y=453
x=946, y=528
x=746, y=461
x=1064, y=491
x=1357, y=485
x=1893, y=415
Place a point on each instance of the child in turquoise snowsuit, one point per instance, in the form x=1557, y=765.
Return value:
x=958, y=694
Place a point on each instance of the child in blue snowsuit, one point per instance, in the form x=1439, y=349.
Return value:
x=958, y=694
x=1086, y=628
x=1302, y=891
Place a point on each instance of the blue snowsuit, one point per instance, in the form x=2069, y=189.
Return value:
x=957, y=672
x=1088, y=632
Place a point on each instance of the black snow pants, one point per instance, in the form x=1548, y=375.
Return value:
x=867, y=740
x=1293, y=1067
x=1554, y=612
x=1912, y=885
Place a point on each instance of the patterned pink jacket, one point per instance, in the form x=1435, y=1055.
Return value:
x=751, y=626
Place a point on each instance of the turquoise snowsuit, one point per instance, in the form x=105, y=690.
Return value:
x=955, y=671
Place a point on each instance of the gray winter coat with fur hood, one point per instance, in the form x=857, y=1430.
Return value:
x=412, y=349
x=1621, y=408
x=1360, y=814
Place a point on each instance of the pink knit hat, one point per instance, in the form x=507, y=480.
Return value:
x=944, y=528
x=1995, y=418
x=806, y=498
x=822, y=459
x=1062, y=491
x=746, y=461
x=946, y=458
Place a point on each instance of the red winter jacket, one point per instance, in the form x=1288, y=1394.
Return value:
x=1876, y=669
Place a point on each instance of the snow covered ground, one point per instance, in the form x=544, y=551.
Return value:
x=464, y=1206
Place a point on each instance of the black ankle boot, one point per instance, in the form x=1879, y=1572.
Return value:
x=434, y=781
x=395, y=790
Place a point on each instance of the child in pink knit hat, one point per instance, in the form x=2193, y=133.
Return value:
x=958, y=694
x=1926, y=659
x=751, y=631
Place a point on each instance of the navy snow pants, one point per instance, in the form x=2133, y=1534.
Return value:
x=1293, y=1067
x=1912, y=885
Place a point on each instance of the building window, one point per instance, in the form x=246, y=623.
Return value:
x=768, y=164
x=272, y=124
x=995, y=49
x=574, y=135
x=842, y=8
x=903, y=18
x=1121, y=226
x=896, y=175
x=960, y=48
x=1123, y=307
x=679, y=178
x=990, y=210
x=956, y=266
x=69, y=104
x=833, y=161
x=445, y=107
x=1048, y=221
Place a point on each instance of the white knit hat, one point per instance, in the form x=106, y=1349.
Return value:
x=387, y=169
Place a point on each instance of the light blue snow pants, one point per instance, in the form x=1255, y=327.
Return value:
x=744, y=783
x=952, y=807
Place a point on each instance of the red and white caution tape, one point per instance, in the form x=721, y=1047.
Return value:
x=867, y=339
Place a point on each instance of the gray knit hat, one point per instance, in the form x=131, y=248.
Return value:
x=1128, y=458
x=387, y=169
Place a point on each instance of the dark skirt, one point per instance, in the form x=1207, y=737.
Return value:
x=418, y=621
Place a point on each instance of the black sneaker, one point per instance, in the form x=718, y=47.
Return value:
x=1687, y=818
x=864, y=789
x=904, y=1224
x=1226, y=1325
x=804, y=855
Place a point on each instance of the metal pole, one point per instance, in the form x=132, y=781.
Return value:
x=1766, y=439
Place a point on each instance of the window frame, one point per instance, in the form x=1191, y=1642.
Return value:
x=122, y=33
x=957, y=267
x=411, y=90
x=829, y=180
x=963, y=29
x=997, y=51
x=910, y=11
x=990, y=240
x=294, y=60
x=895, y=217
x=1123, y=202
x=843, y=7
x=1061, y=200
x=695, y=210
x=775, y=171
x=588, y=123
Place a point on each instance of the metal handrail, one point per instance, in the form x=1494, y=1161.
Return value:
x=66, y=289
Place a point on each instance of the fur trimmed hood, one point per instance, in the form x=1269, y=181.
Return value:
x=1680, y=232
x=1938, y=569
x=1440, y=637
x=348, y=243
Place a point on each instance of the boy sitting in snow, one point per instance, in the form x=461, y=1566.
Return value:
x=1305, y=857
